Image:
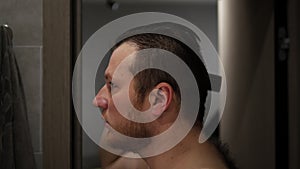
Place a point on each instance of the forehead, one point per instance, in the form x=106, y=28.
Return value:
x=119, y=54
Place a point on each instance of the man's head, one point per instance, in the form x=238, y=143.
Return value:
x=166, y=89
x=154, y=89
x=148, y=80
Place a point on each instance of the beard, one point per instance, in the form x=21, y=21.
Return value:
x=125, y=135
x=134, y=129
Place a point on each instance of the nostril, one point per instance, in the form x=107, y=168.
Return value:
x=100, y=102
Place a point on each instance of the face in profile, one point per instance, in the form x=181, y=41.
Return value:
x=125, y=109
x=115, y=87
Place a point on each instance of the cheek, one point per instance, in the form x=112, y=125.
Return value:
x=118, y=106
x=121, y=101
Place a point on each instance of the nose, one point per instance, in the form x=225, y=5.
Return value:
x=100, y=100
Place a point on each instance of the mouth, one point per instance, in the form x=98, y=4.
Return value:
x=104, y=119
x=107, y=124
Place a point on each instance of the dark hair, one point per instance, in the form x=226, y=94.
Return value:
x=159, y=36
x=156, y=36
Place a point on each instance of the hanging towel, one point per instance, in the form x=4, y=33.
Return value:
x=16, y=150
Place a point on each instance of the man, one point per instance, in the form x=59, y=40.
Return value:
x=157, y=93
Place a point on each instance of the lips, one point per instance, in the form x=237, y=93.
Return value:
x=107, y=123
x=105, y=120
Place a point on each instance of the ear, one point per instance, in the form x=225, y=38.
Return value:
x=160, y=98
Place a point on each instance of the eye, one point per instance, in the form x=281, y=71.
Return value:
x=112, y=86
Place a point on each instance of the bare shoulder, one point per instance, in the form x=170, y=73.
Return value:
x=128, y=163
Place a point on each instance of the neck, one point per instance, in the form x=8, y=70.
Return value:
x=189, y=153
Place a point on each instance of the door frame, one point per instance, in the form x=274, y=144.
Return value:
x=61, y=43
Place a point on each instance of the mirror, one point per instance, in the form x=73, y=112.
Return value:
x=244, y=34
x=97, y=13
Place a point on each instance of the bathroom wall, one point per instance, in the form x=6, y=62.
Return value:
x=25, y=19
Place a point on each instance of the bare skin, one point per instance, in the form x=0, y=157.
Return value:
x=111, y=161
x=189, y=153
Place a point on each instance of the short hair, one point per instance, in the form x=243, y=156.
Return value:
x=147, y=79
x=156, y=36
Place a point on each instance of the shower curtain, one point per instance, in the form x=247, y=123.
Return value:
x=16, y=150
